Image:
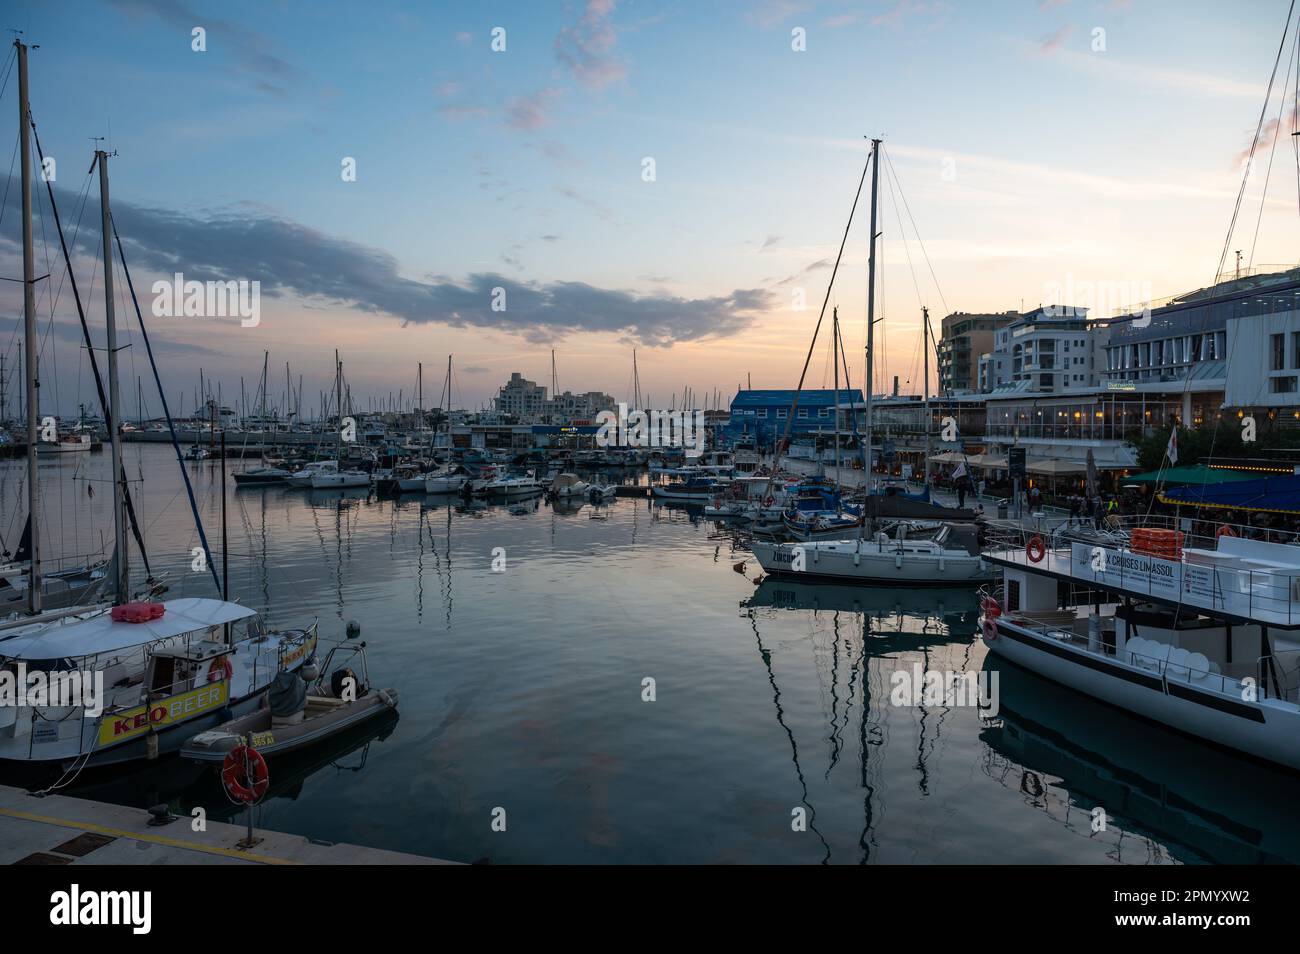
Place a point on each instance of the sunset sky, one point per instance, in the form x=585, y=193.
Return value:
x=1090, y=146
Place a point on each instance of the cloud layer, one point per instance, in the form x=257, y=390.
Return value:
x=290, y=259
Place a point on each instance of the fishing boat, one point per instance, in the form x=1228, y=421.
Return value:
x=301, y=709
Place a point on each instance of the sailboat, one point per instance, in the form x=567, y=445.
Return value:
x=337, y=477
x=168, y=669
x=952, y=555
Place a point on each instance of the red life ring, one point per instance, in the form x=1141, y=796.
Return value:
x=1035, y=549
x=990, y=628
x=245, y=784
x=1224, y=531
x=220, y=668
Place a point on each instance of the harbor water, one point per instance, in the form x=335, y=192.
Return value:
x=602, y=683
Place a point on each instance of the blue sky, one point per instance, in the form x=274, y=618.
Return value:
x=1028, y=159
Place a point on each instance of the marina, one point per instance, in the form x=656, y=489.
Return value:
x=610, y=480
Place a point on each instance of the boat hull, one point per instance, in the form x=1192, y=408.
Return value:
x=1265, y=729
x=869, y=565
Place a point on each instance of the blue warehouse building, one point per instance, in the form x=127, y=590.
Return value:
x=762, y=416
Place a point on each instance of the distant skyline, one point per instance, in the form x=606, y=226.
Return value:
x=1042, y=149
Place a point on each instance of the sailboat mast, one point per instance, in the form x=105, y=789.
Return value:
x=29, y=332
x=835, y=430
x=925, y=319
x=338, y=386
x=123, y=582
x=871, y=306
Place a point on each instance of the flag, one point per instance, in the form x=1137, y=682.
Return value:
x=1172, y=450
x=960, y=471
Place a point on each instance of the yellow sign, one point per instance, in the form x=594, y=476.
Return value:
x=297, y=655
x=118, y=727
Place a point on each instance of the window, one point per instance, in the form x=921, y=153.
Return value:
x=1295, y=349
x=1283, y=385
x=761, y=412
x=1279, y=352
x=824, y=412
x=803, y=412
x=782, y=413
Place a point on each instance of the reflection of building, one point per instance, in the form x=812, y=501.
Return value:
x=963, y=337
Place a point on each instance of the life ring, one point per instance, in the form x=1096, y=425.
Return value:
x=245, y=783
x=990, y=607
x=1035, y=549
x=769, y=501
x=1224, y=531
x=220, y=668
x=990, y=626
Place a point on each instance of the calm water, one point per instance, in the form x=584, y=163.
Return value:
x=523, y=690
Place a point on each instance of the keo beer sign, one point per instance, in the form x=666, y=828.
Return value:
x=120, y=726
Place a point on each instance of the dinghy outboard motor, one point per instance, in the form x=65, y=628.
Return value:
x=287, y=698
x=310, y=669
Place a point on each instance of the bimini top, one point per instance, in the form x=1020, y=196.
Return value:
x=99, y=634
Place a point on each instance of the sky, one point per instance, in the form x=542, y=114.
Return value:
x=671, y=177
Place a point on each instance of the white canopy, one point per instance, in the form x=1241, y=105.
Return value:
x=99, y=634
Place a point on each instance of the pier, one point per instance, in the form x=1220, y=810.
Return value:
x=59, y=830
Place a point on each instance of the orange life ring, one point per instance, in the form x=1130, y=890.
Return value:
x=245, y=783
x=1035, y=549
x=220, y=668
x=1224, y=531
x=990, y=629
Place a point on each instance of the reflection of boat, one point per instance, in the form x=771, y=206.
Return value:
x=1203, y=804
x=569, y=485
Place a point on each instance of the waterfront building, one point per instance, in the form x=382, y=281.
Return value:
x=762, y=416
x=1048, y=350
x=520, y=398
x=963, y=339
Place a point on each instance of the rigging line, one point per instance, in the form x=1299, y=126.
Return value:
x=1245, y=176
x=785, y=438
x=889, y=164
x=144, y=335
x=1272, y=150
x=907, y=253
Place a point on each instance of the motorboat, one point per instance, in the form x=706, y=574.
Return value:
x=303, y=478
x=300, y=709
x=446, y=480
x=512, y=485
x=569, y=485
x=262, y=475
x=339, y=479
x=183, y=666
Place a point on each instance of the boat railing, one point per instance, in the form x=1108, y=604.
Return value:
x=1268, y=591
x=1170, y=670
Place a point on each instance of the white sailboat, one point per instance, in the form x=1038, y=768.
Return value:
x=950, y=556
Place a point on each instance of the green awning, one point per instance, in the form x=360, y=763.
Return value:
x=1196, y=474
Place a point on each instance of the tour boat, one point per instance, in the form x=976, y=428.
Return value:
x=1203, y=638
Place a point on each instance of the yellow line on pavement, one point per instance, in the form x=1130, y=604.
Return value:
x=140, y=836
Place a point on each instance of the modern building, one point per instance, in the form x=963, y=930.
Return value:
x=963, y=338
x=522, y=399
x=1048, y=350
